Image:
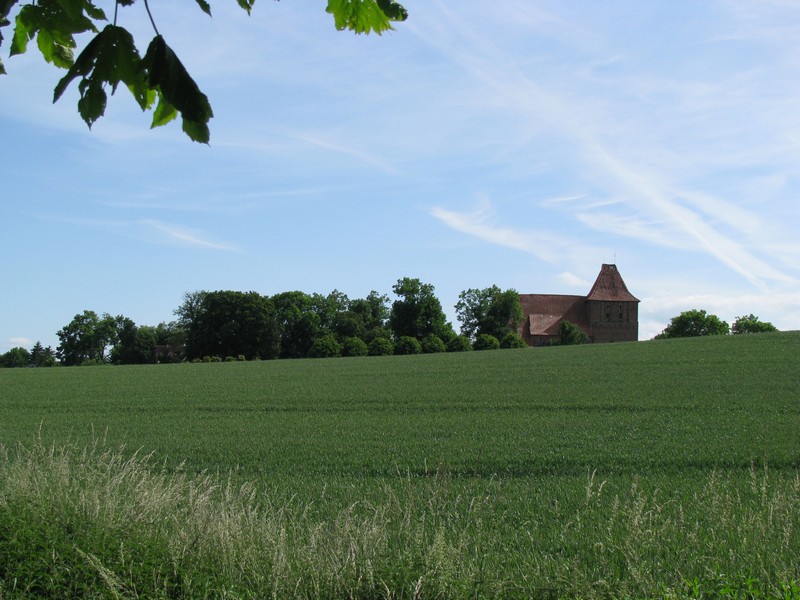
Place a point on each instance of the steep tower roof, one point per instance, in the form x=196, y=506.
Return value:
x=609, y=287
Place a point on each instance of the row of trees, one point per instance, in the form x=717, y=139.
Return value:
x=247, y=325
x=695, y=323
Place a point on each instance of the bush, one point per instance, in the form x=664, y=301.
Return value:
x=484, y=341
x=459, y=343
x=694, y=323
x=16, y=357
x=407, y=345
x=571, y=334
x=325, y=346
x=513, y=340
x=381, y=346
x=432, y=343
x=751, y=324
x=353, y=346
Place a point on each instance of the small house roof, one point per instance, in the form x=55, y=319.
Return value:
x=609, y=287
x=546, y=312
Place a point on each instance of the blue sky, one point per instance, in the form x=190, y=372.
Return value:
x=521, y=144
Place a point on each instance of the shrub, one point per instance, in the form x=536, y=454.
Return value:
x=694, y=323
x=325, y=346
x=353, y=346
x=381, y=346
x=484, y=341
x=751, y=324
x=432, y=343
x=407, y=345
x=459, y=343
x=571, y=334
x=513, y=340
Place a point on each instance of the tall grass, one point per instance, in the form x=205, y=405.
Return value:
x=96, y=522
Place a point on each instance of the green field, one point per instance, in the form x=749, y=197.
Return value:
x=651, y=468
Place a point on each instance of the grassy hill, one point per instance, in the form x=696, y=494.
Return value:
x=626, y=469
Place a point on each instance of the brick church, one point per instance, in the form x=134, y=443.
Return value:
x=608, y=313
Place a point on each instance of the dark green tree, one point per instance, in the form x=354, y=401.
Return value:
x=571, y=334
x=41, y=356
x=490, y=310
x=15, y=358
x=88, y=338
x=158, y=80
x=190, y=312
x=170, y=334
x=298, y=322
x=417, y=312
x=365, y=318
x=330, y=309
x=694, y=323
x=136, y=345
x=231, y=323
x=751, y=324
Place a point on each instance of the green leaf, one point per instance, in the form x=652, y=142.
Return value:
x=365, y=16
x=53, y=51
x=246, y=4
x=5, y=9
x=108, y=59
x=166, y=73
x=204, y=6
x=92, y=104
x=164, y=113
x=54, y=23
x=24, y=29
x=197, y=132
x=3, y=23
x=393, y=10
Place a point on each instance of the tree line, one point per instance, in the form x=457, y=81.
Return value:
x=696, y=323
x=233, y=325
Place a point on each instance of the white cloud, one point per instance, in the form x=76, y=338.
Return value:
x=183, y=236
x=322, y=142
x=574, y=281
x=21, y=342
x=481, y=223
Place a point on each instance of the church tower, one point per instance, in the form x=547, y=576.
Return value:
x=612, y=310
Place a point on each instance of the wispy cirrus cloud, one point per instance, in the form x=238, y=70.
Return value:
x=668, y=147
x=154, y=231
x=320, y=141
x=481, y=222
x=183, y=236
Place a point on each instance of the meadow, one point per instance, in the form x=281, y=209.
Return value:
x=650, y=469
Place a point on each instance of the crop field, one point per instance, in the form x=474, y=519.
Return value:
x=665, y=468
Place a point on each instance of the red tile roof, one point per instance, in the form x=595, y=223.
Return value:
x=546, y=311
x=609, y=287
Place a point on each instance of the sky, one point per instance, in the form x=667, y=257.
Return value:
x=521, y=144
